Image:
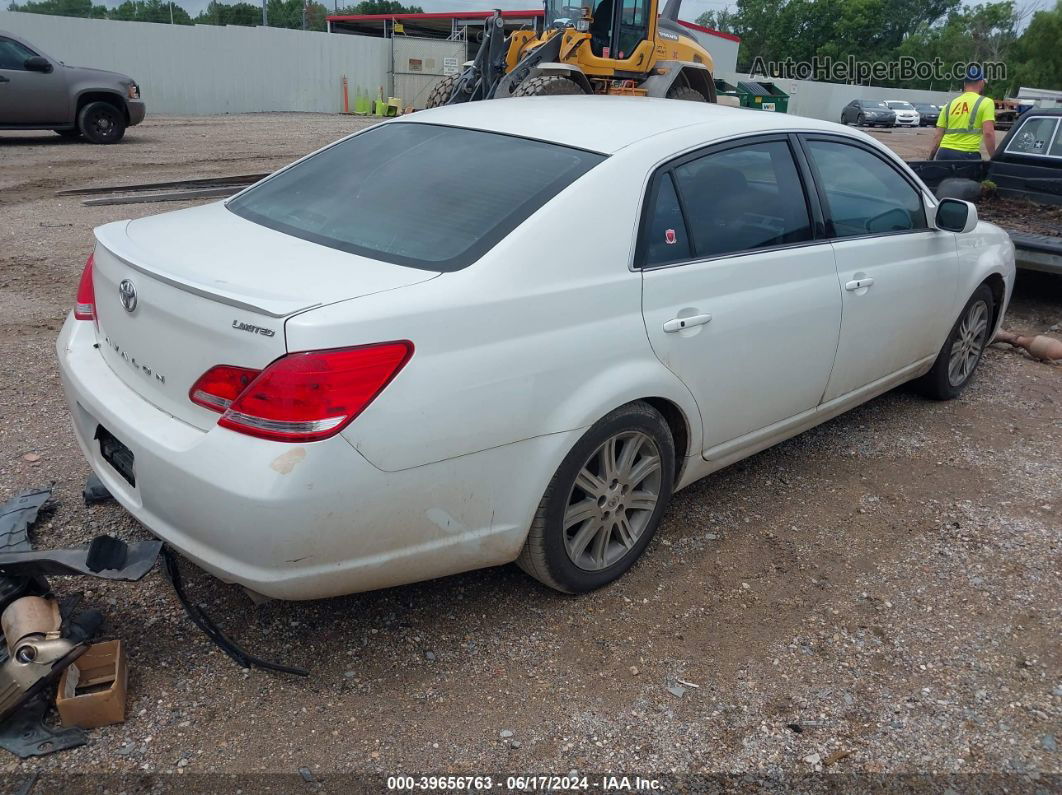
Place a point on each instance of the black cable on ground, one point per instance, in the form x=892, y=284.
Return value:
x=200, y=618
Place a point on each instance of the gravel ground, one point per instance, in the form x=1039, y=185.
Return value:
x=880, y=594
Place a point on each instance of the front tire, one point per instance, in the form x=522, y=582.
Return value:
x=441, y=93
x=861, y=120
x=547, y=86
x=686, y=93
x=101, y=123
x=962, y=351
x=604, y=503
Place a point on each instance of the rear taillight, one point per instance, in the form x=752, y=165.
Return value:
x=302, y=397
x=85, y=304
x=219, y=386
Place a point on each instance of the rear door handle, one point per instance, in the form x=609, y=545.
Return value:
x=859, y=284
x=4, y=79
x=679, y=323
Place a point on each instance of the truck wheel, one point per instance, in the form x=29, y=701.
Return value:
x=71, y=134
x=687, y=93
x=101, y=123
x=547, y=86
x=440, y=95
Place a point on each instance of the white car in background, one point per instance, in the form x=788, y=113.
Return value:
x=907, y=115
x=508, y=331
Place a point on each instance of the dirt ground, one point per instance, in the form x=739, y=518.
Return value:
x=880, y=594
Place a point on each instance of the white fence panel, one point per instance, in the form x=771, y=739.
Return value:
x=206, y=69
x=421, y=63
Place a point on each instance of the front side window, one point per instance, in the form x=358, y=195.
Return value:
x=13, y=55
x=743, y=198
x=864, y=194
x=1034, y=137
x=421, y=195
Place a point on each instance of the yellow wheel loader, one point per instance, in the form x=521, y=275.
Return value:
x=611, y=47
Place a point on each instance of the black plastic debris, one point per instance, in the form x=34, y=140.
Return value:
x=95, y=492
x=25, y=733
x=16, y=516
x=106, y=552
x=136, y=562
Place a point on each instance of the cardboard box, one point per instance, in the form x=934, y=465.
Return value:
x=92, y=688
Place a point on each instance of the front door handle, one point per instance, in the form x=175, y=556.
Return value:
x=858, y=284
x=679, y=323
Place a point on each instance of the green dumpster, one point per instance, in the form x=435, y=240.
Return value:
x=725, y=89
x=763, y=96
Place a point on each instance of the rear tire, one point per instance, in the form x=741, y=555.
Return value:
x=604, y=504
x=548, y=86
x=101, y=123
x=440, y=94
x=687, y=93
x=962, y=351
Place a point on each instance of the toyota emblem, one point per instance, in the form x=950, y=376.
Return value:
x=127, y=292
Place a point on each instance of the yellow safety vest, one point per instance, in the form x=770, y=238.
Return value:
x=962, y=119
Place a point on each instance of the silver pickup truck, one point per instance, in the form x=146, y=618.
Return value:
x=38, y=92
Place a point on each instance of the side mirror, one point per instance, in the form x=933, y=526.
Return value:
x=955, y=215
x=38, y=64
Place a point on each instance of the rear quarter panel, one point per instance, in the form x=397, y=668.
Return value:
x=543, y=335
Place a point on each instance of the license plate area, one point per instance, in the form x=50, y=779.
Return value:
x=116, y=454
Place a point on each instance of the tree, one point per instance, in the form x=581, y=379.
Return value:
x=63, y=8
x=230, y=14
x=380, y=7
x=1037, y=57
x=723, y=20
x=150, y=11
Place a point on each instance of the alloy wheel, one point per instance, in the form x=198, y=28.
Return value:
x=969, y=343
x=612, y=501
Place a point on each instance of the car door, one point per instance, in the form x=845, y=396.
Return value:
x=897, y=275
x=850, y=112
x=28, y=97
x=739, y=292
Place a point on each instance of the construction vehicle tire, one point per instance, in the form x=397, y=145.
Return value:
x=687, y=93
x=547, y=86
x=440, y=94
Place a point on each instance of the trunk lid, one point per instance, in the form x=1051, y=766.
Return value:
x=212, y=288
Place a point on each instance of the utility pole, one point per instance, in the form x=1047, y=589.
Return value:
x=171, y=12
x=265, y=18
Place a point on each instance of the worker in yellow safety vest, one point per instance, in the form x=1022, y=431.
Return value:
x=966, y=121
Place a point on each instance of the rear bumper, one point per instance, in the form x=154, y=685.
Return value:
x=301, y=521
x=136, y=109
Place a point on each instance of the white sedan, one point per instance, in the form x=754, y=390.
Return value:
x=907, y=115
x=508, y=331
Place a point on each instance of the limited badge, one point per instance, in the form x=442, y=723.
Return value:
x=670, y=237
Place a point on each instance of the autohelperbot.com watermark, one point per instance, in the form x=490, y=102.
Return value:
x=853, y=70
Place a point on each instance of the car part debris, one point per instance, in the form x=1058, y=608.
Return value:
x=92, y=689
x=95, y=492
x=202, y=620
x=37, y=650
x=16, y=516
x=106, y=557
x=25, y=733
x=1040, y=347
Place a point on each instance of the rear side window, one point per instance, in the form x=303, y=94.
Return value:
x=743, y=198
x=665, y=235
x=422, y=195
x=864, y=194
x=1034, y=137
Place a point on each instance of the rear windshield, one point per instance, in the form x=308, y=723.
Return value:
x=874, y=103
x=422, y=195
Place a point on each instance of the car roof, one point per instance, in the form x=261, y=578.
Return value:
x=607, y=124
